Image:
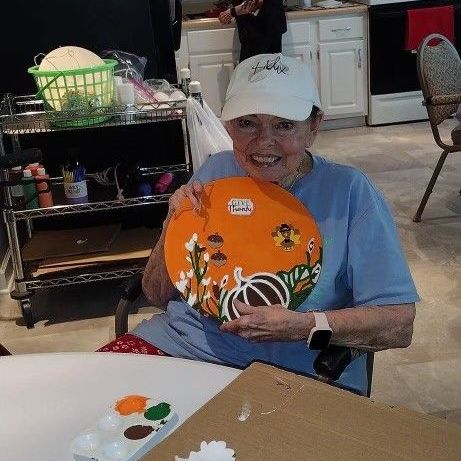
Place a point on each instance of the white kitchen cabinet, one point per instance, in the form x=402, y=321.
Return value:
x=334, y=46
x=342, y=78
x=213, y=71
x=304, y=53
x=299, y=42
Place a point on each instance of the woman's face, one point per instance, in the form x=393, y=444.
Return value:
x=270, y=148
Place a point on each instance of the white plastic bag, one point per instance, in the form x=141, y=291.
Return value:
x=207, y=134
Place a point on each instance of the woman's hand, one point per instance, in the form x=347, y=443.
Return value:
x=156, y=283
x=247, y=7
x=191, y=191
x=225, y=17
x=269, y=323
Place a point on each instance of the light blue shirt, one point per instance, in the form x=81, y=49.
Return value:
x=363, y=264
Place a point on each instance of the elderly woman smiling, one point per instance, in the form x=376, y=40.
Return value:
x=365, y=293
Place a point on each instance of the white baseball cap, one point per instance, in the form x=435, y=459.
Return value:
x=271, y=84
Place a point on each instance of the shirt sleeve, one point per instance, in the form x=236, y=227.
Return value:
x=217, y=166
x=377, y=270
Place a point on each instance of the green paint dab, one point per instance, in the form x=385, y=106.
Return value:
x=160, y=411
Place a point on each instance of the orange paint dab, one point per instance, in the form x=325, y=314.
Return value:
x=131, y=404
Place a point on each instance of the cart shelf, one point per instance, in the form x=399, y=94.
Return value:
x=85, y=275
x=28, y=115
x=182, y=170
x=23, y=115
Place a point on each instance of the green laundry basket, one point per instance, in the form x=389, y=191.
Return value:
x=77, y=97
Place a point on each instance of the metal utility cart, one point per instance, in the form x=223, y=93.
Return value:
x=27, y=115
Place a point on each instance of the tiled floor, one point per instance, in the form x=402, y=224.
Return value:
x=426, y=376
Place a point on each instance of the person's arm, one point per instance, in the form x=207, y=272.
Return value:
x=244, y=8
x=371, y=328
x=225, y=17
x=156, y=282
x=247, y=7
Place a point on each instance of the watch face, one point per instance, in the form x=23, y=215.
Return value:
x=320, y=339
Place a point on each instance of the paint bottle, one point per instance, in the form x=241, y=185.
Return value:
x=30, y=193
x=144, y=189
x=42, y=183
x=17, y=193
x=163, y=183
x=33, y=167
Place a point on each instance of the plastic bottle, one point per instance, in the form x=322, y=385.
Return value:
x=33, y=167
x=17, y=193
x=163, y=183
x=42, y=182
x=28, y=186
x=185, y=80
x=144, y=189
x=195, y=90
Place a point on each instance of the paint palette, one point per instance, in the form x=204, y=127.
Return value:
x=252, y=241
x=126, y=432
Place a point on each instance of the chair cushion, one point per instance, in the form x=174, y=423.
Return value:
x=131, y=344
x=456, y=135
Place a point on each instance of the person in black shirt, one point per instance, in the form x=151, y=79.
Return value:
x=260, y=24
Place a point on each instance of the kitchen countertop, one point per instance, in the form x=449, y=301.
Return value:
x=213, y=23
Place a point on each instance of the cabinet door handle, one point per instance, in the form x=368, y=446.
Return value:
x=360, y=58
x=345, y=29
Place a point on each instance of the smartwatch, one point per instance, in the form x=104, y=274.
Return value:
x=233, y=12
x=320, y=335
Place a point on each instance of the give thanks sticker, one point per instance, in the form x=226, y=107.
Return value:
x=240, y=206
x=252, y=241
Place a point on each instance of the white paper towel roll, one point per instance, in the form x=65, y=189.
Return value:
x=125, y=92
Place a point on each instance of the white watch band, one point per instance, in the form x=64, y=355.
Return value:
x=321, y=325
x=321, y=321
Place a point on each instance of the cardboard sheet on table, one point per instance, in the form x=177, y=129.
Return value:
x=296, y=418
x=69, y=242
x=130, y=244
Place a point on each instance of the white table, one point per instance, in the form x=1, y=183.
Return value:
x=47, y=399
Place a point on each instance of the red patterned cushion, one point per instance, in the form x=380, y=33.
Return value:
x=131, y=344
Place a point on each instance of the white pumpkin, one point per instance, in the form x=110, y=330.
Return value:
x=69, y=58
x=259, y=289
x=67, y=91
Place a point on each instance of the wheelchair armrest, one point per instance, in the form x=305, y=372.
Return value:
x=133, y=288
x=332, y=361
x=131, y=291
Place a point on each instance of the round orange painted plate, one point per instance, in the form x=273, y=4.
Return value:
x=252, y=240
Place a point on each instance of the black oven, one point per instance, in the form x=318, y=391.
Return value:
x=393, y=69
